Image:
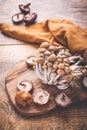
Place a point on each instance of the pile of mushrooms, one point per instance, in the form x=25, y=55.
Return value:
x=55, y=65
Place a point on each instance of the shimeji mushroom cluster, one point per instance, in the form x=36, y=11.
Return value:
x=55, y=65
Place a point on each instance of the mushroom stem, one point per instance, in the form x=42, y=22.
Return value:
x=72, y=58
x=40, y=68
x=45, y=75
x=73, y=67
x=40, y=76
x=51, y=80
x=56, y=78
x=27, y=5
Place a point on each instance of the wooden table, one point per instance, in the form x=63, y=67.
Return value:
x=13, y=51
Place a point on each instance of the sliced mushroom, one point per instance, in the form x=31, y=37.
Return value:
x=31, y=61
x=25, y=86
x=17, y=18
x=23, y=98
x=41, y=97
x=63, y=100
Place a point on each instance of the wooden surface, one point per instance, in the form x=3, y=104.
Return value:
x=22, y=72
x=13, y=51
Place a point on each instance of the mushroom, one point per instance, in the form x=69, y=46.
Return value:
x=61, y=66
x=17, y=18
x=53, y=48
x=25, y=8
x=41, y=97
x=64, y=82
x=23, y=99
x=25, y=86
x=67, y=70
x=66, y=60
x=63, y=100
x=30, y=18
x=47, y=53
x=52, y=58
x=31, y=61
x=42, y=50
x=44, y=45
x=58, y=68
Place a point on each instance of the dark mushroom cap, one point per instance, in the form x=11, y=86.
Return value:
x=25, y=8
x=30, y=18
x=17, y=18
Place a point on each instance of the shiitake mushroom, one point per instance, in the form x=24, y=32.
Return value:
x=30, y=18
x=17, y=18
x=25, y=8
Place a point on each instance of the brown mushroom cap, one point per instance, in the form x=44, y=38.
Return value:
x=47, y=53
x=52, y=58
x=63, y=100
x=40, y=59
x=41, y=97
x=61, y=66
x=61, y=72
x=53, y=48
x=67, y=70
x=42, y=50
x=23, y=98
x=44, y=45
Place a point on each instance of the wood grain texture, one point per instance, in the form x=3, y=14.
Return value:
x=73, y=118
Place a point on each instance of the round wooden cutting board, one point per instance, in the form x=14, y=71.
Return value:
x=20, y=72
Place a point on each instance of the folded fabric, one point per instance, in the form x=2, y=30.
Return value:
x=64, y=32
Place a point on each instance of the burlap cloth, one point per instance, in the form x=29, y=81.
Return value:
x=73, y=37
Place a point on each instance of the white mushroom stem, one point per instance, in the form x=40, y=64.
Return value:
x=45, y=75
x=40, y=76
x=51, y=80
x=72, y=58
x=62, y=86
x=40, y=68
x=56, y=78
x=77, y=73
x=48, y=74
x=64, y=81
x=73, y=67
